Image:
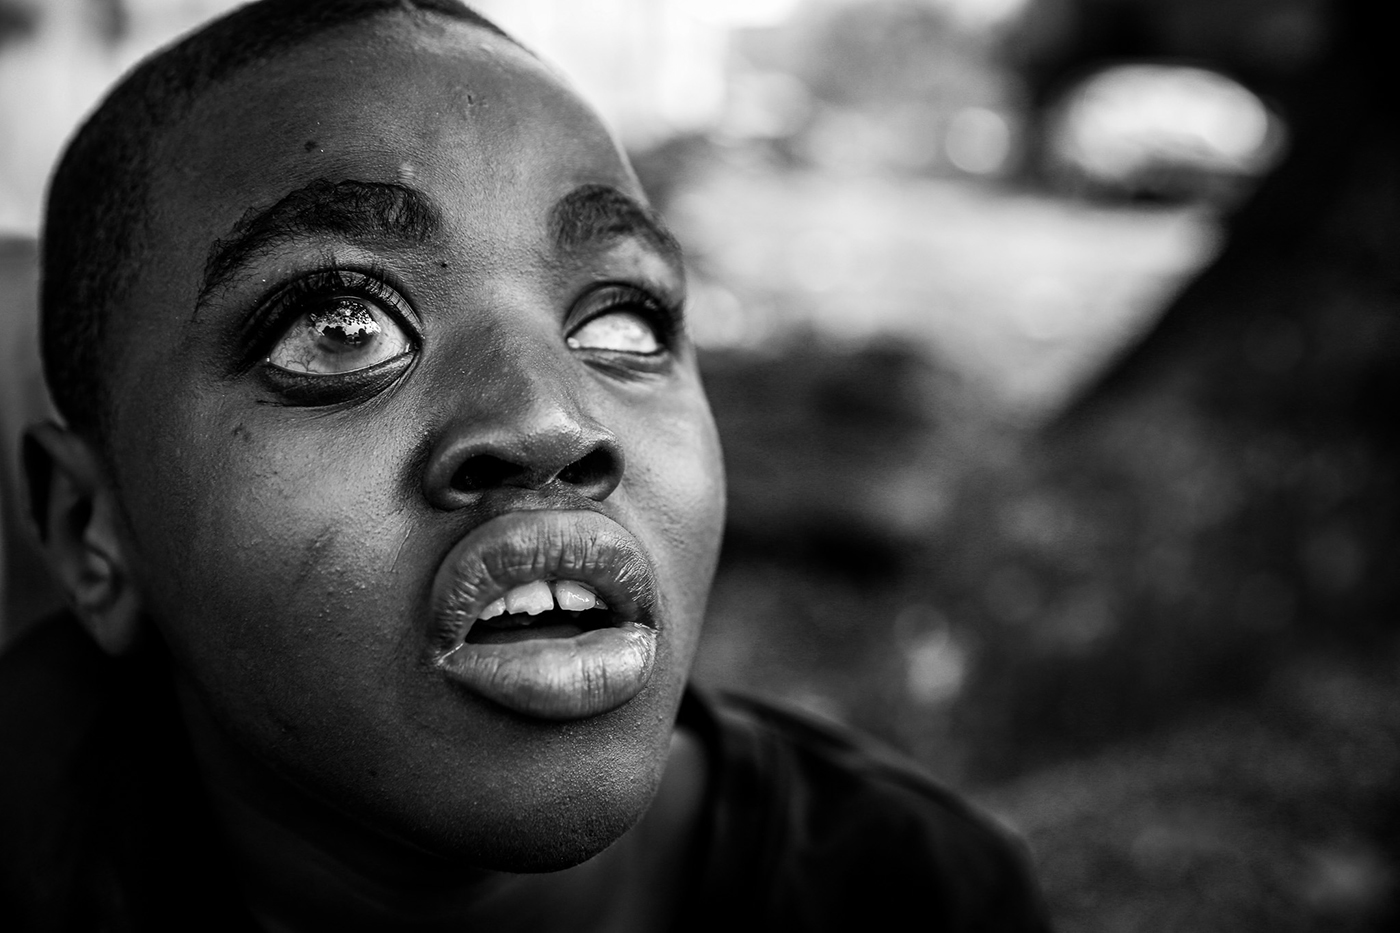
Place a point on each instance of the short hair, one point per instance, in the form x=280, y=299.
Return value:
x=97, y=211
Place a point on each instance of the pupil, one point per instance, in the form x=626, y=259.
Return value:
x=347, y=322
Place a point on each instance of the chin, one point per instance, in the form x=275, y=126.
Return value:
x=554, y=848
x=534, y=810
x=544, y=836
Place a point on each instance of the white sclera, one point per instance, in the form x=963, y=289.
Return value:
x=620, y=331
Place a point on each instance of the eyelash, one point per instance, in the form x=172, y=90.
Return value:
x=282, y=308
x=666, y=318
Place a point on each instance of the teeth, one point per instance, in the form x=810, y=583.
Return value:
x=531, y=599
x=538, y=596
x=574, y=596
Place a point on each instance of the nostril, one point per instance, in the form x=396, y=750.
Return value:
x=483, y=472
x=596, y=472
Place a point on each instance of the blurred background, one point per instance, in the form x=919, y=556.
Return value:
x=1053, y=344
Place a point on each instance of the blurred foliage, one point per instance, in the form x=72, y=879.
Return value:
x=1159, y=635
x=1164, y=632
x=875, y=53
x=1269, y=44
x=875, y=85
x=1272, y=814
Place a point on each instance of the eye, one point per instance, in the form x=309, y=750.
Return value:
x=337, y=335
x=619, y=331
x=624, y=319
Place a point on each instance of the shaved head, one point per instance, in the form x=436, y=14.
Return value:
x=95, y=241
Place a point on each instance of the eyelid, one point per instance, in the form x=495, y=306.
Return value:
x=666, y=318
x=298, y=389
x=281, y=307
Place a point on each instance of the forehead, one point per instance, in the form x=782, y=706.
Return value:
x=465, y=116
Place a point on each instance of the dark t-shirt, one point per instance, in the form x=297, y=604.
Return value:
x=103, y=825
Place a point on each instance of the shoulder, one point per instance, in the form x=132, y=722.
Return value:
x=102, y=819
x=816, y=827
x=51, y=686
x=50, y=699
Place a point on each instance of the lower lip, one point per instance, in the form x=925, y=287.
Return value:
x=559, y=678
x=536, y=672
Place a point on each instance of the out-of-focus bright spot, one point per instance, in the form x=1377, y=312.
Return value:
x=978, y=141
x=935, y=667
x=983, y=14
x=766, y=105
x=741, y=13
x=651, y=67
x=1162, y=130
x=718, y=321
x=1348, y=878
x=855, y=142
x=690, y=84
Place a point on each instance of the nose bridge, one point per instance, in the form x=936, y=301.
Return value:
x=519, y=415
x=528, y=392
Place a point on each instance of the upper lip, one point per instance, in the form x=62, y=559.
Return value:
x=520, y=546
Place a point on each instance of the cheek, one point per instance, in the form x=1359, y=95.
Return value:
x=272, y=565
x=676, y=483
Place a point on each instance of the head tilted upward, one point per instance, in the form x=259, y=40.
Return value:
x=385, y=421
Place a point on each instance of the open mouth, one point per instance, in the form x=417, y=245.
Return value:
x=547, y=613
x=540, y=609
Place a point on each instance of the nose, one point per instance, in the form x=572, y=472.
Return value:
x=527, y=432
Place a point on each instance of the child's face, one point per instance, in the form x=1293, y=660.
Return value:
x=493, y=398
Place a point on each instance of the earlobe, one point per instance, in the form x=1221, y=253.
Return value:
x=73, y=504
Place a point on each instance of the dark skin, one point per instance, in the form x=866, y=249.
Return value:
x=284, y=484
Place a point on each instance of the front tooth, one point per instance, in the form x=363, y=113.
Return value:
x=494, y=608
x=531, y=598
x=574, y=597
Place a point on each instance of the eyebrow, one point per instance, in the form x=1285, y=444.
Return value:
x=379, y=211
x=354, y=210
x=593, y=213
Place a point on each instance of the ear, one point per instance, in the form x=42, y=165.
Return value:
x=73, y=503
